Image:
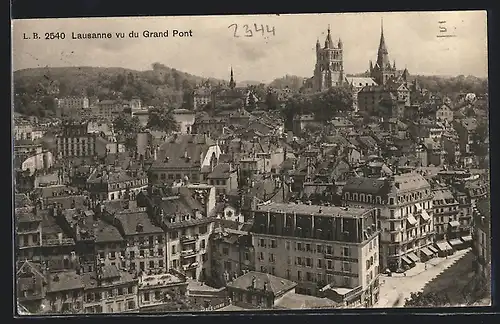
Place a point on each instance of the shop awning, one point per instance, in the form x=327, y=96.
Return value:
x=425, y=216
x=426, y=251
x=454, y=223
x=467, y=238
x=455, y=242
x=443, y=246
x=413, y=257
x=406, y=260
x=433, y=249
x=411, y=220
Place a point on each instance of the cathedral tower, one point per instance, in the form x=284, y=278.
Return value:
x=329, y=69
x=232, y=83
x=383, y=70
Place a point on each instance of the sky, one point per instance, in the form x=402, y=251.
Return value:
x=411, y=39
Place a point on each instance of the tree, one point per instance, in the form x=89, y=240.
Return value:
x=125, y=124
x=431, y=299
x=162, y=119
x=271, y=101
x=333, y=101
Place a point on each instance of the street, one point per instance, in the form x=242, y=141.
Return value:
x=394, y=290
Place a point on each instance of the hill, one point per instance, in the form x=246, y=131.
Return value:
x=36, y=88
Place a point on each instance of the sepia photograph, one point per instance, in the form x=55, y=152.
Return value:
x=246, y=163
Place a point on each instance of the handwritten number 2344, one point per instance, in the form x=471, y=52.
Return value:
x=248, y=31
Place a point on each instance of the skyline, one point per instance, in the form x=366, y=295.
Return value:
x=411, y=38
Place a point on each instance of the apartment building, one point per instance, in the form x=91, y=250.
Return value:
x=108, y=184
x=160, y=289
x=69, y=105
x=187, y=216
x=232, y=254
x=404, y=209
x=329, y=251
x=446, y=209
x=482, y=239
x=109, y=290
x=65, y=292
x=184, y=157
x=145, y=242
x=75, y=141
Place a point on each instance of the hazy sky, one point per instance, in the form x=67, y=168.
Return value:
x=410, y=38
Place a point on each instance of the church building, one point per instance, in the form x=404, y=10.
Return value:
x=329, y=69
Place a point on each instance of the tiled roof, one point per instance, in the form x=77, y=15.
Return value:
x=183, y=151
x=21, y=200
x=63, y=281
x=131, y=220
x=107, y=233
x=278, y=286
x=221, y=171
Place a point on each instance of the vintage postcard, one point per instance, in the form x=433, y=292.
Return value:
x=253, y=162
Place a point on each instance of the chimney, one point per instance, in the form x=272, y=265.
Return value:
x=186, y=154
x=265, y=286
x=139, y=228
x=253, y=282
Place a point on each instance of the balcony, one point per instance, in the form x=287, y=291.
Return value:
x=188, y=253
x=190, y=266
x=189, y=239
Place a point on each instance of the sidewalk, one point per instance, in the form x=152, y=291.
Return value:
x=394, y=290
x=424, y=266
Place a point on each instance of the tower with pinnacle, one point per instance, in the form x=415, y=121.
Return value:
x=382, y=71
x=232, y=83
x=329, y=69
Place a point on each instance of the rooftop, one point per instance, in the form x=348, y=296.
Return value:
x=137, y=223
x=351, y=212
x=63, y=281
x=259, y=281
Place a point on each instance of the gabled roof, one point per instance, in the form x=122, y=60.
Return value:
x=183, y=151
x=137, y=223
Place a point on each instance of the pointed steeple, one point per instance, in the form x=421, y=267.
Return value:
x=371, y=66
x=394, y=65
x=340, y=44
x=382, y=55
x=405, y=74
x=232, y=84
x=318, y=45
x=328, y=40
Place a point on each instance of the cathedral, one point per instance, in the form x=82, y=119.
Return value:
x=329, y=69
x=383, y=72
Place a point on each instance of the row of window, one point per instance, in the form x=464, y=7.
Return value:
x=111, y=293
x=174, y=247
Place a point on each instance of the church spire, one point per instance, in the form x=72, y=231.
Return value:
x=383, y=55
x=328, y=40
x=232, y=84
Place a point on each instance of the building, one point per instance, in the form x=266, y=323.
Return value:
x=31, y=283
x=404, y=207
x=383, y=71
x=466, y=129
x=65, y=292
x=482, y=239
x=446, y=210
x=144, y=250
x=444, y=114
x=28, y=233
x=68, y=106
x=185, y=119
x=187, y=215
x=75, y=141
x=329, y=68
x=160, y=289
x=232, y=254
x=223, y=178
x=326, y=250
x=107, y=184
x=109, y=290
x=356, y=84
x=184, y=158
x=255, y=290
x=201, y=97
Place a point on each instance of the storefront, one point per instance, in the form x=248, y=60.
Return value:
x=457, y=244
x=426, y=254
x=467, y=241
x=444, y=248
